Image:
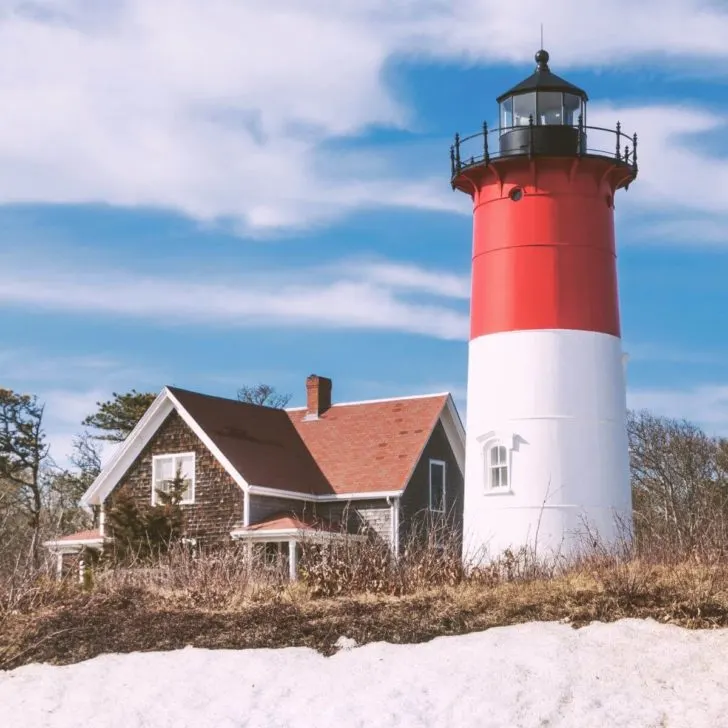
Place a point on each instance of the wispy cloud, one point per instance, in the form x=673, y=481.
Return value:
x=652, y=352
x=706, y=405
x=372, y=298
x=193, y=107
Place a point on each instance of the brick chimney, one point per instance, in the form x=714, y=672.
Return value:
x=318, y=396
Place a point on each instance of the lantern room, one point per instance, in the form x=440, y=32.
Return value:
x=543, y=98
x=555, y=107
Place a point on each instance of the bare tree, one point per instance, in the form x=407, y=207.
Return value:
x=263, y=394
x=23, y=450
x=67, y=485
x=679, y=483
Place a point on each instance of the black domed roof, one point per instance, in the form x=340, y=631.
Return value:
x=543, y=80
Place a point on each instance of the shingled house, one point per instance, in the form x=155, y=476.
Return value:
x=273, y=476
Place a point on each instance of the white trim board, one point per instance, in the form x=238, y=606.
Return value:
x=129, y=450
x=209, y=444
x=300, y=534
x=293, y=495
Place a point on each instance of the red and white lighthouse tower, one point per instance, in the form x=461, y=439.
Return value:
x=546, y=454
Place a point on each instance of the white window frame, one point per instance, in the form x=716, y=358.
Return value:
x=493, y=467
x=174, y=456
x=488, y=442
x=432, y=462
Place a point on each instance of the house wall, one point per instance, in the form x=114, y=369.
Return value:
x=414, y=504
x=361, y=515
x=263, y=506
x=218, y=505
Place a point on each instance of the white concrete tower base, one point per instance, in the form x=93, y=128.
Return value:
x=556, y=401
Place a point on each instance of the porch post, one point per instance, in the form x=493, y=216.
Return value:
x=292, y=560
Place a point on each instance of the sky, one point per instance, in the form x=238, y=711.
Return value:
x=216, y=194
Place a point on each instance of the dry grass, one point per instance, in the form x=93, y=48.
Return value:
x=220, y=600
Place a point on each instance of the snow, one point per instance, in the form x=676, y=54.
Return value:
x=630, y=673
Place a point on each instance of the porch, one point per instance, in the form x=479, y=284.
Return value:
x=280, y=537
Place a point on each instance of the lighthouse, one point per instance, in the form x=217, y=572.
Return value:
x=546, y=463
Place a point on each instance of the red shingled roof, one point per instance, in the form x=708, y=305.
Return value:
x=280, y=521
x=82, y=536
x=365, y=447
x=372, y=446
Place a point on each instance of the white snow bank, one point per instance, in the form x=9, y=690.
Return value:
x=630, y=673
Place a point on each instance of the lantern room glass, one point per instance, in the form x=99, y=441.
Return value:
x=524, y=109
x=546, y=108
x=550, y=107
x=574, y=107
x=506, y=113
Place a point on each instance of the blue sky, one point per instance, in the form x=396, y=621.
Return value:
x=253, y=192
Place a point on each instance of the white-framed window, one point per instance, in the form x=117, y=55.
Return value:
x=438, y=485
x=497, y=456
x=498, y=467
x=164, y=471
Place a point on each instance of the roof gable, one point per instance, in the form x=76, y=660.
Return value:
x=260, y=443
x=370, y=447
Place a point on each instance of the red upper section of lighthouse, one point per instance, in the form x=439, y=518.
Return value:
x=543, y=249
x=543, y=237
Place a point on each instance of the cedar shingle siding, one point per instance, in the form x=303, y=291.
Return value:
x=218, y=502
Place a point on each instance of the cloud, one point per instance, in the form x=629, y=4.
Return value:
x=405, y=277
x=62, y=417
x=372, y=298
x=706, y=405
x=224, y=110
x=651, y=352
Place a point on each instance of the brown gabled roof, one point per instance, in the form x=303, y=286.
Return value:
x=365, y=447
x=370, y=446
x=261, y=443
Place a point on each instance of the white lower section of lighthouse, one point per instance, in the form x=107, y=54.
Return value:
x=546, y=452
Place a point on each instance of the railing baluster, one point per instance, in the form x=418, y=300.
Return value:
x=626, y=153
x=457, y=152
x=634, y=149
x=579, y=134
x=452, y=161
x=530, y=135
x=619, y=131
x=485, y=141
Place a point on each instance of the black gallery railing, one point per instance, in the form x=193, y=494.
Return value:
x=542, y=140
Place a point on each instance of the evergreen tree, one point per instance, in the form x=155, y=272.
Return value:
x=146, y=532
x=117, y=417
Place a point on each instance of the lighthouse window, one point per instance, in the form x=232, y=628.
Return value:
x=550, y=107
x=498, y=467
x=524, y=108
x=507, y=112
x=572, y=109
x=516, y=194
